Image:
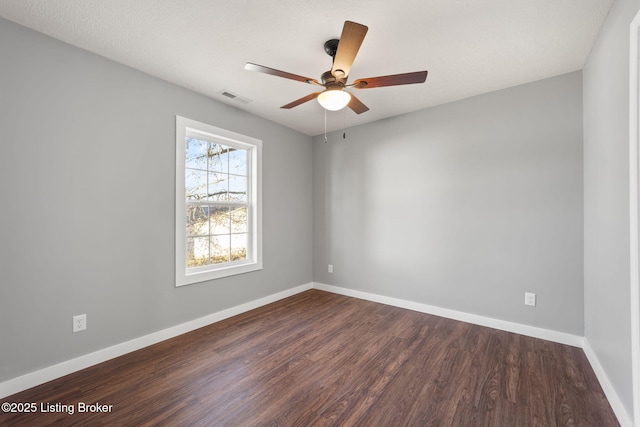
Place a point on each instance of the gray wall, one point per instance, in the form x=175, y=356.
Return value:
x=87, y=169
x=463, y=206
x=606, y=199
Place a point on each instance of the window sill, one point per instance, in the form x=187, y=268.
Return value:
x=189, y=278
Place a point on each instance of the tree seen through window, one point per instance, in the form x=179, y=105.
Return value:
x=216, y=202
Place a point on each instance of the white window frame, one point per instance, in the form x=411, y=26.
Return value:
x=186, y=276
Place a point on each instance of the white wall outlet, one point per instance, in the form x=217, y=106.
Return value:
x=330, y=268
x=79, y=322
x=530, y=299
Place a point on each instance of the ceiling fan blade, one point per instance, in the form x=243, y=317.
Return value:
x=393, y=80
x=273, y=72
x=350, y=41
x=356, y=105
x=302, y=100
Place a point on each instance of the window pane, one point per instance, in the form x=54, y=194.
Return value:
x=197, y=251
x=197, y=220
x=195, y=153
x=220, y=222
x=238, y=246
x=218, y=186
x=220, y=249
x=237, y=188
x=218, y=158
x=238, y=162
x=239, y=220
x=195, y=184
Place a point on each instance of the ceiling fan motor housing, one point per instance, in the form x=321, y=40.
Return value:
x=331, y=82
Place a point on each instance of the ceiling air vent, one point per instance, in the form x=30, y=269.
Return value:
x=234, y=97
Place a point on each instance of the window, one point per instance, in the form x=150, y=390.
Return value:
x=218, y=212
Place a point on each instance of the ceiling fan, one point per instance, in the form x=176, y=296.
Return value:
x=343, y=51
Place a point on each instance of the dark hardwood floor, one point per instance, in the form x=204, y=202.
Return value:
x=320, y=359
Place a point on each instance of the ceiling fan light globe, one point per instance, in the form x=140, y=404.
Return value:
x=334, y=100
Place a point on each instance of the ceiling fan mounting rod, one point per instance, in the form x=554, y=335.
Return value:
x=331, y=47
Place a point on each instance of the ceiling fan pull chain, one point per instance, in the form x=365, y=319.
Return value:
x=344, y=123
x=325, y=126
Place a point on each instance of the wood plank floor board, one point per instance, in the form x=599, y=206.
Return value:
x=321, y=359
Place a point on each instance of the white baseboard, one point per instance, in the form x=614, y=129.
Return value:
x=614, y=400
x=518, y=328
x=42, y=376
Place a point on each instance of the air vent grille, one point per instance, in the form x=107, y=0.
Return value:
x=234, y=97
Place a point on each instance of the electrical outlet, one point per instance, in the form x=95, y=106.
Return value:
x=79, y=322
x=530, y=299
x=330, y=268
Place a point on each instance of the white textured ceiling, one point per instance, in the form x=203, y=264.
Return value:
x=469, y=47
